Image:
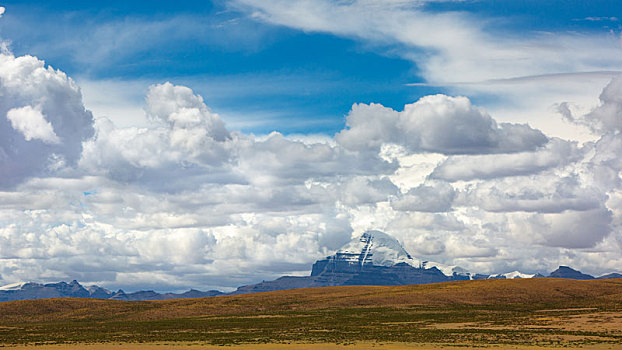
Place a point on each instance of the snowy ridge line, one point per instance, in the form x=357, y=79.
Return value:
x=13, y=286
x=375, y=258
x=380, y=249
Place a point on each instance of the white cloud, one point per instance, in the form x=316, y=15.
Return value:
x=607, y=117
x=439, y=123
x=184, y=202
x=569, y=229
x=434, y=197
x=32, y=124
x=184, y=140
x=461, y=47
x=546, y=193
x=362, y=190
x=58, y=119
x=183, y=110
x=556, y=153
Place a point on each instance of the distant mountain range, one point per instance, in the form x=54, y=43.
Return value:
x=375, y=258
x=23, y=291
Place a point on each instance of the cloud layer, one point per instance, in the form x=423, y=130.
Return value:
x=440, y=124
x=43, y=121
x=185, y=202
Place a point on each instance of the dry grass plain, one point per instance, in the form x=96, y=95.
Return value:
x=357, y=346
x=519, y=314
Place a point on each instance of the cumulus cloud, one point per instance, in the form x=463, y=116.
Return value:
x=439, y=123
x=361, y=190
x=276, y=159
x=603, y=164
x=32, y=124
x=547, y=193
x=44, y=121
x=569, y=229
x=189, y=147
x=436, y=197
x=185, y=140
x=607, y=117
x=185, y=202
x=556, y=153
x=179, y=107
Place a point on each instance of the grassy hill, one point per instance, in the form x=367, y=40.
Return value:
x=529, y=311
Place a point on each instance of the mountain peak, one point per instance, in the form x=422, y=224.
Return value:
x=567, y=272
x=374, y=247
x=13, y=286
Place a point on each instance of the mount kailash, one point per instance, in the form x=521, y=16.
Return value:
x=375, y=258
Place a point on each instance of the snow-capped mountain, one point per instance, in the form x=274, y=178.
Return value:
x=377, y=248
x=13, y=286
x=380, y=249
x=512, y=275
x=374, y=258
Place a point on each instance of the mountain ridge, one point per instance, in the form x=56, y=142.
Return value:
x=517, y=309
x=374, y=258
x=32, y=290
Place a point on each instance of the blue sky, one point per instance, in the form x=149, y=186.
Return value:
x=202, y=44
x=204, y=145
x=324, y=74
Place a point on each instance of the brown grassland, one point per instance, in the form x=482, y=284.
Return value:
x=520, y=314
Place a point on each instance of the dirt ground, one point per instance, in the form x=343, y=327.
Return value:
x=498, y=314
x=358, y=346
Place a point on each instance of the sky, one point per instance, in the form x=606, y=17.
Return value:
x=208, y=145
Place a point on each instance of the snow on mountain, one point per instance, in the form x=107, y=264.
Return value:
x=13, y=286
x=377, y=248
x=375, y=258
x=98, y=292
x=512, y=275
x=380, y=249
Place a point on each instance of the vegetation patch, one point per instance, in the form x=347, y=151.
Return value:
x=551, y=313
